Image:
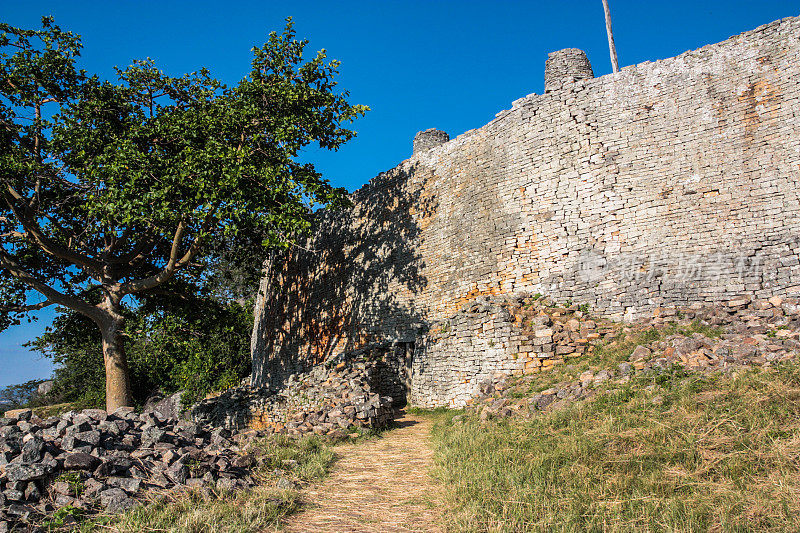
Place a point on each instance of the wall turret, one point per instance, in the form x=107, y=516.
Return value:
x=566, y=66
x=430, y=138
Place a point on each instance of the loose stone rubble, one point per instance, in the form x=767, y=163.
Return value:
x=340, y=396
x=740, y=334
x=100, y=462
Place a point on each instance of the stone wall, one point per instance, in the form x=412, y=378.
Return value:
x=494, y=336
x=667, y=183
x=566, y=66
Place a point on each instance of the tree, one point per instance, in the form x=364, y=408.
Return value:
x=181, y=339
x=115, y=188
x=16, y=396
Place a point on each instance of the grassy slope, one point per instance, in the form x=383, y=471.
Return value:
x=665, y=453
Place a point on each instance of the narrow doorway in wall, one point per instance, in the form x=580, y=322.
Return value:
x=408, y=362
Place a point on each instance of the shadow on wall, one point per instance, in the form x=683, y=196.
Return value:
x=352, y=284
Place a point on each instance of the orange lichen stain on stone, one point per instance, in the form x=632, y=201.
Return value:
x=325, y=335
x=761, y=101
x=455, y=304
x=258, y=422
x=423, y=211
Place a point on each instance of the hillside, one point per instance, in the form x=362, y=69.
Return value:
x=678, y=426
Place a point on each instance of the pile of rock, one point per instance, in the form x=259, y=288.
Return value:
x=332, y=399
x=549, y=334
x=96, y=461
x=760, y=332
x=739, y=334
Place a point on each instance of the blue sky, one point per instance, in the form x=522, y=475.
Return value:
x=418, y=64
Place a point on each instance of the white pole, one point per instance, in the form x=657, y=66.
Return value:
x=611, y=48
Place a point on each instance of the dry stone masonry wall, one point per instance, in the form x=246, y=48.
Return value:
x=430, y=138
x=566, y=66
x=668, y=183
x=498, y=336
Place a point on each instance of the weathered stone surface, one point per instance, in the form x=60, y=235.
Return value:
x=115, y=500
x=107, y=467
x=129, y=485
x=430, y=138
x=348, y=392
x=81, y=461
x=666, y=184
x=33, y=449
x=19, y=414
x=165, y=406
x=564, y=67
x=27, y=472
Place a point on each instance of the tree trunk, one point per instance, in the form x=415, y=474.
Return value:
x=118, y=390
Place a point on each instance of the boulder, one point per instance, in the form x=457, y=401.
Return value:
x=168, y=407
x=116, y=500
x=81, y=461
x=19, y=414
x=28, y=472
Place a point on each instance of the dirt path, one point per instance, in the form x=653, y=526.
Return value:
x=376, y=486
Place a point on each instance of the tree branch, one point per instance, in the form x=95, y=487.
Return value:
x=173, y=264
x=52, y=295
x=26, y=308
x=48, y=245
x=17, y=234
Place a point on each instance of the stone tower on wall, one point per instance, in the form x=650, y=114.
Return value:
x=566, y=66
x=667, y=184
x=430, y=138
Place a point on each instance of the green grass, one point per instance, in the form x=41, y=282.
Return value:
x=668, y=452
x=696, y=326
x=607, y=355
x=231, y=512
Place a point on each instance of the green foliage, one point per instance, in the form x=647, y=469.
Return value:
x=112, y=189
x=75, y=482
x=63, y=517
x=16, y=396
x=197, y=345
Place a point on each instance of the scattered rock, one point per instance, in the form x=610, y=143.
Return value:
x=81, y=461
x=744, y=332
x=107, y=459
x=337, y=396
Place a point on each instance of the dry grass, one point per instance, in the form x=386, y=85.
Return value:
x=382, y=485
x=715, y=453
x=239, y=512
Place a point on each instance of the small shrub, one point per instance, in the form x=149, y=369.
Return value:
x=75, y=482
x=64, y=517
